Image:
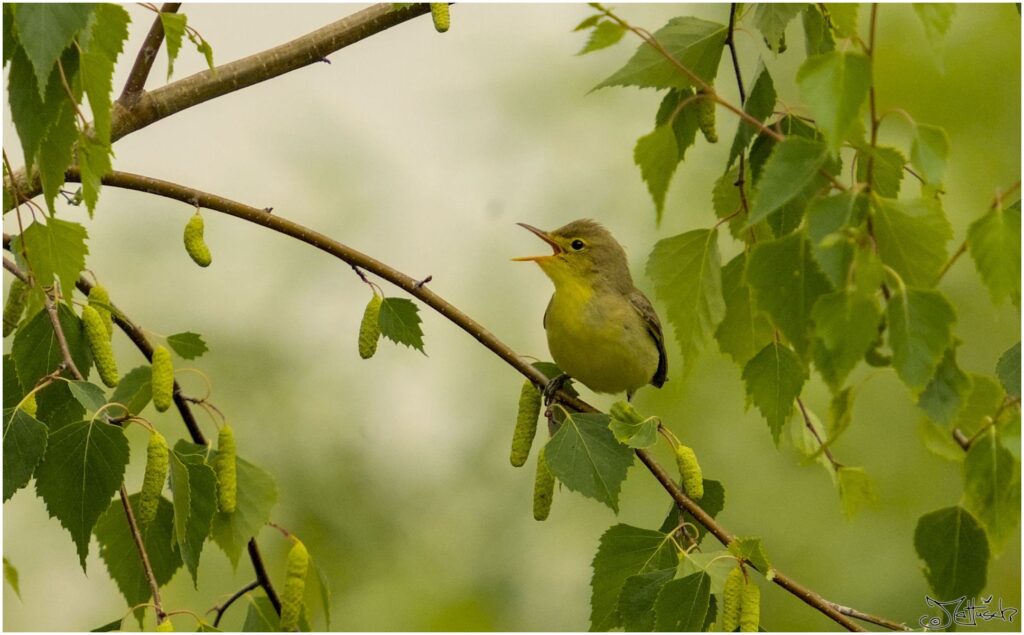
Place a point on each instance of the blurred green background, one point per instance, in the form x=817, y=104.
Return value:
x=423, y=150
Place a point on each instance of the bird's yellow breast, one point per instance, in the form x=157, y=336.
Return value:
x=599, y=339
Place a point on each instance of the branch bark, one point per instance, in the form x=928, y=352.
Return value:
x=193, y=197
x=150, y=107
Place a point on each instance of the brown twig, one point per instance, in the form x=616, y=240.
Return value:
x=730, y=41
x=312, y=48
x=58, y=331
x=231, y=600
x=814, y=431
x=136, y=83
x=869, y=170
x=261, y=574
x=133, y=526
x=873, y=619
x=425, y=294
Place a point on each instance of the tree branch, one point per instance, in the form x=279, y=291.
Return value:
x=355, y=258
x=195, y=89
x=136, y=84
x=231, y=600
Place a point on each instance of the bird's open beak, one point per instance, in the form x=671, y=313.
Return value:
x=543, y=236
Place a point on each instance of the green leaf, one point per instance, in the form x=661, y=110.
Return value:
x=843, y=17
x=912, y=236
x=635, y=435
x=845, y=325
x=45, y=30
x=116, y=625
x=636, y=601
x=771, y=19
x=261, y=616
x=955, y=552
x=174, y=32
x=399, y=321
x=947, y=391
x=828, y=221
x=55, y=151
x=686, y=271
x=760, y=104
x=744, y=330
x=939, y=440
x=35, y=349
x=605, y=34
x=13, y=390
x=682, y=604
x=985, y=397
x=994, y=243
x=194, y=493
x=10, y=43
x=24, y=446
x=89, y=395
x=716, y=564
x=696, y=44
x=325, y=593
x=817, y=35
x=56, y=250
x=257, y=495
x=1008, y=370
x=886, y=171
x=134, y=390
x=773, y=379
x=790, y=168
x=856, y=491
x=586, y=458
x=920, y=331
x=82, y=468
x=657, y=155
x=685, y=124
x=725, y=198
x=929, y=153
x=187, y=345
x=93, y=164
x=10, y=572
x=992, y=488
x=57, y=407
x=587, y=23
x=32, y=115
x=624, y=551
x=121, y=555
x=786, y=284
x=752, y=550
x=834, y=86
x=203, y=47
x=936, y=19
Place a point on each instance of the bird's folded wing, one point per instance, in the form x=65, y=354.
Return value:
x=650, y=318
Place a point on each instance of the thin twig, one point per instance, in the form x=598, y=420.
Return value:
x=425, y=294
x=58, y=331
x=997, y=201
x=814, y=431
x=730, y=41
x=231, y=600
x=873, y=619
x=133, y=526
x=261, y=574
x=869, y=170
x=136, y=83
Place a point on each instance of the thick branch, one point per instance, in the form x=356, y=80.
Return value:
x=195, y=89
x=355, y=258
x=136, y=83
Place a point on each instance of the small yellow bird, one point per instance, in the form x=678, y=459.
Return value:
x=602, y=331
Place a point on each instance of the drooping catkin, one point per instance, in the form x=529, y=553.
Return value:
x=99, y=341
x=100, y=300
x=732, y=599
x=689, y=469
x=369, y=328
x=294, y=586
x=440, y=13
x=15, y=305
x=163, y=378
x=195, y=243
x=706, y=116
x=153, y=479
x=225, y=467
x=526, y=423
x=750, y=612
x=543, y=489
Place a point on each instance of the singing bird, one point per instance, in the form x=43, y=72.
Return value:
x=602, y=331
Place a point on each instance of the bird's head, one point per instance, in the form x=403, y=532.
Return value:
x=583, y=252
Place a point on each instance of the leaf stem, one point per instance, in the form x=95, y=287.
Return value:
x=136, y=83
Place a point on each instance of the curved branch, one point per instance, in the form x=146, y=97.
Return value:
x=193, y=90
x=356, y=258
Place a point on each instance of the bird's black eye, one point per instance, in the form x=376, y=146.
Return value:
x=577, y=244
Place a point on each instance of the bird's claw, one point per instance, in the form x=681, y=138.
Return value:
x=554, y=385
